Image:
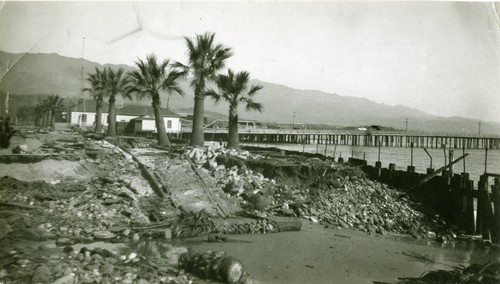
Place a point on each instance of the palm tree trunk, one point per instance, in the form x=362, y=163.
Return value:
x=197, y=136
x=233, y=139
x=160, y=123
x=53, y=119
x=98, y=117
x=45, y=119
x=111, y=117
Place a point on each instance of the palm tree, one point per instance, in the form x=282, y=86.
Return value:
x=96, y=89
x=114, y=83
x=233, y=88
x=45, y=113
x=205, y=59
x=152, y=78
x=54, y=103
x=39, y=114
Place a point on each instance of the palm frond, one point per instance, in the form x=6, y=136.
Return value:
x=254, y=89
x=251, y=105
x=213, y=94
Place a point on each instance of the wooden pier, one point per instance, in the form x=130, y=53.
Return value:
x=357, y=138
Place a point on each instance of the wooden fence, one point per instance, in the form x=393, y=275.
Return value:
x=474, y=209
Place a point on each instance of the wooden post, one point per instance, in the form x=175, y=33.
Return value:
x=495, y=226
x=469, y=211
x=479, y=209
x=463, y=153
x=486, y=160
x=455, y=195
x=379, y=145
x=451, y=158
x=484, y=208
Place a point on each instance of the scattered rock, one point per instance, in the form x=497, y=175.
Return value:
x=64, y=242
x=41, y=274
x=103, y=235
x=5, y=228
x=66, y=279
x=167, y=234
x=138, y=218
x=173, y=254
x=20, y=149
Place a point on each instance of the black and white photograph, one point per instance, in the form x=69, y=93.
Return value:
x=249, y=142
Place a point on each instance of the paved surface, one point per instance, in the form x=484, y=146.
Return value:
x=191, y=189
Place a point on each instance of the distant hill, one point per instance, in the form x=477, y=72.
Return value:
x=45, y=73
x=55, y=74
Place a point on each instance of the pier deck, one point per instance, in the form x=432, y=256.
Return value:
x=358, y=138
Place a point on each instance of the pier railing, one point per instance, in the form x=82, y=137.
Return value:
x=355, y=138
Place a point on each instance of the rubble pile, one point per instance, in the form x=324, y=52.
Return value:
x=262, y=226
x=342, y=196
x=230, y=173
x=143, y=262
x=207, y=156
x=236, y=181
x=114, y=205
x=77, y=212
x=363, y=204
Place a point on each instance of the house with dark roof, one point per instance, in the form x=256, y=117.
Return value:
x=142, y=119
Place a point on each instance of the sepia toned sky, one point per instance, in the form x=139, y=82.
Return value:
x=439, y=57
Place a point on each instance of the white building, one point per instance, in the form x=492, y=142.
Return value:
x=84, y=113
x=142, y=119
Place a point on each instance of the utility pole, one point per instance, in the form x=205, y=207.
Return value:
x=406, y=120
x=479, y=123
x=81, y=73
x=293, y=120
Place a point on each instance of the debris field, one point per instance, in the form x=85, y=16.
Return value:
x=80, y=209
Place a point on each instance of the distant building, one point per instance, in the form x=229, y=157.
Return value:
x=83, y=113
x=142, y=116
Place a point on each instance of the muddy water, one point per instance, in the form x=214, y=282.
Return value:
x=329, y=255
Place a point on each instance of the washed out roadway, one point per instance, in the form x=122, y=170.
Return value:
x=329, y=255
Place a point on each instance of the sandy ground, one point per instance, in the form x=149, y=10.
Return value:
x=325, y=255
x=51, y=171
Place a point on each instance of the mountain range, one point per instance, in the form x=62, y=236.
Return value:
x=30, y=74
